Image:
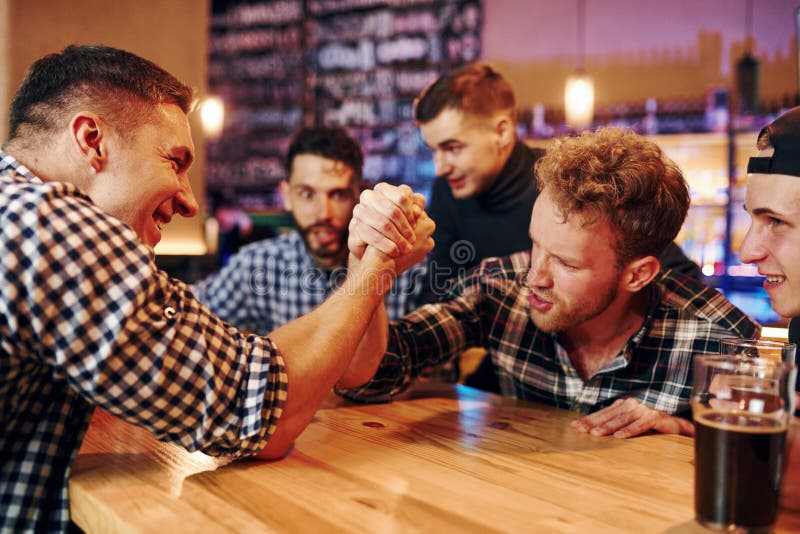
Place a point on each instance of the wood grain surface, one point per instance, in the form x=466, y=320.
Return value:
x=443, y=458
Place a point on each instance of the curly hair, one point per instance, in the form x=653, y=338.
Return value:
x=620, y=177
x=120, y=86
x=475, y=88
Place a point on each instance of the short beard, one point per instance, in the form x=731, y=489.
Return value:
x=582, y=311
x=324, y=256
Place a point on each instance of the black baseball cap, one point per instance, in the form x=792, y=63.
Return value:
x=784, y=136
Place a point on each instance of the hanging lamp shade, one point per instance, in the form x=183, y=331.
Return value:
x=747, y=84
x=747, y=69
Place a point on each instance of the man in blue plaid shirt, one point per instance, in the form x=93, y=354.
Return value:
x=584, y=321
x=273, y=281
x=95, y=165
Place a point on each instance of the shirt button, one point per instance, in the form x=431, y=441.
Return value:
x=169, y=312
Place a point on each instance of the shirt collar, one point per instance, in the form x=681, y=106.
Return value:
x=654, y=295
x=10, y=163
x=653, y=299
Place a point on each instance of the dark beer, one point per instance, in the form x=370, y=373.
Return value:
x=738, y=463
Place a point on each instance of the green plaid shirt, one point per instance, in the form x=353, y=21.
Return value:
x=488, y=307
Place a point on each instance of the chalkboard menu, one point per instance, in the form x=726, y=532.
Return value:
x=359, y=63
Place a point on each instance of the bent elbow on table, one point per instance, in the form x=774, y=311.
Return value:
x=277, y=447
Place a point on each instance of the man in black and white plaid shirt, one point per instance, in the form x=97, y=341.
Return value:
x=584, y=321
x=96, y=163
x=271, y=282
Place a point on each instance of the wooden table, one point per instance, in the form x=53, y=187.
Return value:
x=444, y=458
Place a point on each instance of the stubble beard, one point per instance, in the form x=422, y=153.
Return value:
x=560, y=318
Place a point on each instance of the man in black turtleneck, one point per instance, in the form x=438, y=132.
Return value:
x=484, y=192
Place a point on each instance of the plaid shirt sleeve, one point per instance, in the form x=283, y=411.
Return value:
x=133, y=341
x=431, y=335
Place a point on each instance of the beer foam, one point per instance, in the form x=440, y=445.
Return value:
x=746, y=422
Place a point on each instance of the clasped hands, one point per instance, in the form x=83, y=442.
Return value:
x=391, y=220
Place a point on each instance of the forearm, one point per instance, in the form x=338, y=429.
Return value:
x=317, y=349
x=417, y=342
x=370, y=351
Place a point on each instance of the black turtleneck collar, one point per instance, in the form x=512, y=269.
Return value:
x=515, y=181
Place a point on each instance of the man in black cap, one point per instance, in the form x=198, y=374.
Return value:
x=773, y=191
x=773, y=240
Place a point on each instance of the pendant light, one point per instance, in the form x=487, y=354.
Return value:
x=747, y=69
x=579, y=89
x=212, y=116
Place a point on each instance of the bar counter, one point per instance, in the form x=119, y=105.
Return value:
x=441, y=458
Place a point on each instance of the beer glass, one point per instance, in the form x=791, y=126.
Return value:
x=758, y=348
x=741, y=408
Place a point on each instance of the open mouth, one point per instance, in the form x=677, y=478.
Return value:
x=325, y=235
x=457, y=183
x=160, y=221
x=537, y=303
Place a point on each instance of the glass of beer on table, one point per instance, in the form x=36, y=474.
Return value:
x=741, y=408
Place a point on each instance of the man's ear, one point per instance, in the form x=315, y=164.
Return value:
x=504, y=127
x=287, y=201
x=87, y=133
x=640, y=272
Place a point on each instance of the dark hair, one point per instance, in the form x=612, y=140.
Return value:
x=620, y=177
x=121, y=87
x=476, y=88
x=331, y=142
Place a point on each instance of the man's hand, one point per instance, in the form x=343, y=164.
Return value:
x=626, y=418
x=391, y=220
x=385, y=218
